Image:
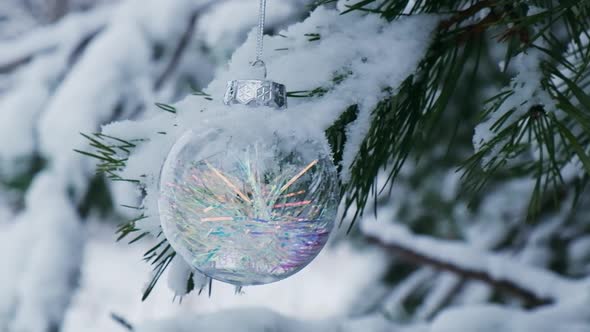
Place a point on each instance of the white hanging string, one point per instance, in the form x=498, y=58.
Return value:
x=259, y=40
x=260, y=37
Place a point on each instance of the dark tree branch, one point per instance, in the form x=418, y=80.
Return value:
x=183, y=44
x=179, y=50
x=58, y=10
x=27, y=56
x=72, y=58
x=420, y=258
x=82, y=45
x=13, y=64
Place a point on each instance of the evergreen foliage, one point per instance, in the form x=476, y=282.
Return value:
x=535, y=128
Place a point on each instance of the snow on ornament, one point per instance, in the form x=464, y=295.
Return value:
x=248, y=211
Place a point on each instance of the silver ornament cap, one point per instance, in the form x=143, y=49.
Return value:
x=256, y=93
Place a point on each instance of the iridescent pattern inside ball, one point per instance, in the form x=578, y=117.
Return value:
x=250, y=214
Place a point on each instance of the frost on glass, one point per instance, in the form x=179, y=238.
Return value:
x=250, y=213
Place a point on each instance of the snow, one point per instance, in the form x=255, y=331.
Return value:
x=326, y=289
x=525, y=91
x=500, y=210
x=178, y=275
x=127, y=196
x=249, y=320
x=20, y=21
x=255, y=319
x=11, y=236
x=393, y=302
x=579, y=251
x=308, y=60
x=49, y=38
x=52, y=250
x=22, y=106
x=444, y=287
x=43, y=276
x=48, y=268
x=544, y=284
x=123, y=49
x=492, y=318
x=223, y=38
x=306, y=65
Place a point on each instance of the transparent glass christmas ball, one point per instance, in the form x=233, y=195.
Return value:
x=247, y=214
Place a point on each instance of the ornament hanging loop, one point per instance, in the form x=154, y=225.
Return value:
x=260, y=68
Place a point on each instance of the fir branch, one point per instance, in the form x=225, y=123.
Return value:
x=161, y=260
x=111, y=153
x=336, y=134
x=166, y=107
x=337, y=78
x=557, y=135
x=317, y=92
x=406, y=119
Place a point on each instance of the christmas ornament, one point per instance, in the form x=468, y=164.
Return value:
x=248, y=211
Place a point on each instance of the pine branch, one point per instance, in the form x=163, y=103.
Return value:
x=178, y=51
x=160, y=259
x=502, y=273
x=111, y=153
x=558, y=134
x=405, y=121
x=11, y=64
x=183, y=43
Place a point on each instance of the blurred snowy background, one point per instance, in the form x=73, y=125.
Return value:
x=431, y=263
x=69, y=66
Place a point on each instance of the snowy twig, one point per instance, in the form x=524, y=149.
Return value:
x=535, y=286
x=184, y=40
x=183, y=43
x=79, y=49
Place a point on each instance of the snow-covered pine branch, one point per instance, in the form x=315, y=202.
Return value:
x=405, y=99
x=534, y=285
